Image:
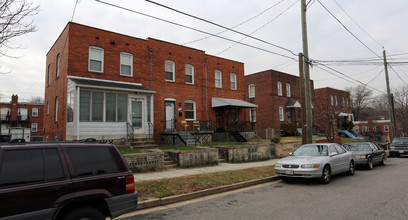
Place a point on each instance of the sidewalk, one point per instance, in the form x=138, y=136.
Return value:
x=200, y=170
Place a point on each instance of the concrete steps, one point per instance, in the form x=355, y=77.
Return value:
x=168, y=163
x=142, y=142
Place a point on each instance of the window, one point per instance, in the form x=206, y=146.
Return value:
x=70, y=107
x=23, y=113
x=95, y=59
x=347, y=102
x=218, y=79
x=365, y=129
x=189, y=74
x=386, y=128
x=356, y=129
x=58, y=66
x=251, y=91
x=252, y=115
x=4, y=113
x=340, y=149
x=91, y=161
x=97, y=106
x=190, y=110
x=169, y=71
x=281, y=115
x=233, y=78
x=288, y=90
x=336, y=100
x=116, y=105
x=149, y=108
x=48, y=74
x=331, y=100
x=126, y=64
x=344, y=102
x=34, y=127
x=34, y=112
x=279, y=89
x=56, y=108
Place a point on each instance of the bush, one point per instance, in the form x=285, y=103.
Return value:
x=275, y=140
x=288, y=129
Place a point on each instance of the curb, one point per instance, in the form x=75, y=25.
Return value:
x=180, y=198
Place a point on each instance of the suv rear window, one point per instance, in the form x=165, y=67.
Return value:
x=28, y=166
x=88, y=161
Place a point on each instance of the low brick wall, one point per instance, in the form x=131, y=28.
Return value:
x=247, y=153
x=142, y=162
x=194, y=158
x=283, y=149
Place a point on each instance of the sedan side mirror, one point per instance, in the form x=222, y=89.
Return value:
x=333, y=153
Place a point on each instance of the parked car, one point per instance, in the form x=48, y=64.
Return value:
x=320, y=160
x=399, y=146
x=64, y=181
x=366, y=154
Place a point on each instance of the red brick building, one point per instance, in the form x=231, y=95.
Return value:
x=278, y=96
x=21, y=120
x=373, y=127
x=98, y=81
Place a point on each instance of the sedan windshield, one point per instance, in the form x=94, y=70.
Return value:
x=358, y=147
x=400, y=141
x=311, y=150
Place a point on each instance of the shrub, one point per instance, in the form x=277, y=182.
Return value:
x=275, y=140
x=289, y=129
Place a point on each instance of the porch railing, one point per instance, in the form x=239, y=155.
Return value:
x=242, y=126
x=151, y=129
x=129, y=131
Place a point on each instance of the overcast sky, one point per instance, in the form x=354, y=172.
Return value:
x=375, y=23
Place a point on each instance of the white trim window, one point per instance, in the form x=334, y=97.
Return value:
x=218, y=79
x=169, y=71
x=58, y=66
x=233, y=78
x=34, y=112
x=34, y=127
x=279, y=89
x=126, y=64
x=252, y=115
x=95, y=59
x=335, y=98
x=331, y=100
x=56, y=108
x=344, y=102
x=356, y=129
x=49, y=74
x=347, y=102
x=365, y=129
x=190, y=110
x=288, y=94
x=281, y=115
x=386, y=128
x=189, y=74
x=251, y=91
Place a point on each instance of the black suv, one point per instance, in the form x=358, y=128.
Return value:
x=66, y=181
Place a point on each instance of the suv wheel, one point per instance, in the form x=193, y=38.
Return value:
x=85, y=213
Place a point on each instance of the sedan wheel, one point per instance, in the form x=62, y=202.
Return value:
x=384, y=158
x=352, y=169
x=370, y=164
x=326, y=175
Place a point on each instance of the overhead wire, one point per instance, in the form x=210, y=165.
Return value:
x=191, y=28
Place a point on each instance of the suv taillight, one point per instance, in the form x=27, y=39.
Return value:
x=130, y=184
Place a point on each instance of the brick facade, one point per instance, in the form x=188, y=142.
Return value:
x=149, y=57
x=373, y=127
x=16, y=115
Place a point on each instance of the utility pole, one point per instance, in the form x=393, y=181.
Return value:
x=308, y=96
x=390, y=101
x=302, y=98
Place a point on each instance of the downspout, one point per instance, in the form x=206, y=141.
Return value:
x=77, y=112
x=150, y=67
x=206, y=98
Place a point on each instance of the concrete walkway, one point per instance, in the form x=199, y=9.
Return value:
x=201, y=170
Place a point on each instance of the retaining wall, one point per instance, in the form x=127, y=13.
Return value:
x=142, y=162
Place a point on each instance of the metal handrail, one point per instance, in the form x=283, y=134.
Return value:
x=129, y=131
x=152, y=129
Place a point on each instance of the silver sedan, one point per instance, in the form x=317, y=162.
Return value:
x=320, y=160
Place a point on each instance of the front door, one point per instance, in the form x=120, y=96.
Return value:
x=137, y=118
x=170, y=115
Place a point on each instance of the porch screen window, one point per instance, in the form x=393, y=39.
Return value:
x=218, y=79
x=85, y=106
x=189, y=74
x=116, y=107
x=70, y=107
x=169, y=71
x=252, y=115
x=281, y=116
x=97, y=106
x=233, y=78
x=95, y=59
x=122, y=107
x=126, y=64
x=189, y=111
x=279, y=89
x=149, y=108
x=110, y=107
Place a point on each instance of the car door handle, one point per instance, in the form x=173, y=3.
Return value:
x=59, y=187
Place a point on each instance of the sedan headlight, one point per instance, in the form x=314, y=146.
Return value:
x=278, y=165
x=310, y=165
x=360, y=156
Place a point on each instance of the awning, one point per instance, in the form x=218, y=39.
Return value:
x=344, y=114
x=220, y=102
x=293, y=104
x=109, y=85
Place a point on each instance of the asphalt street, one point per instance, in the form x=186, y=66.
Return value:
x=381, y=193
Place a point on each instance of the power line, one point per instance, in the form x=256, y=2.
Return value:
x=366, y=71
x=250, y=19
x=191, y=28
x=221, y=26
x=398, y=75
x=347, y=28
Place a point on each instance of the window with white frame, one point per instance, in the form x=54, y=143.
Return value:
x=288, y=90
x=347, y=102
x=233, y=78
x=386, y=128
x=331, y=100
x=95, y=59
x=251, y=91
x=189, y=74
x=23, y=113
x=93, y=104
x=190, y=110
x=218, y=79
x=116, y=107
x=169, y=71
x=4, y=113
x=58, y=65
x=356, y=129
x=56, y=108
x=126, y=64
x=281, y=114
x=48, y=74
x=252, y=115
x=335, y=98
x=279, y=89
x=344, y=102
x=70, y=106
x=34, y=112
x=34, y=127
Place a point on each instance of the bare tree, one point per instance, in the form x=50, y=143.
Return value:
x=379, y=107
x=36, y=100
x=360, y=97
x=325, y=117
x=401, y=108
x=16, y=19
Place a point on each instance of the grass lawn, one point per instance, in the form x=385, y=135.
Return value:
x=210, y=144
x=187, y=184
x=129, y=150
